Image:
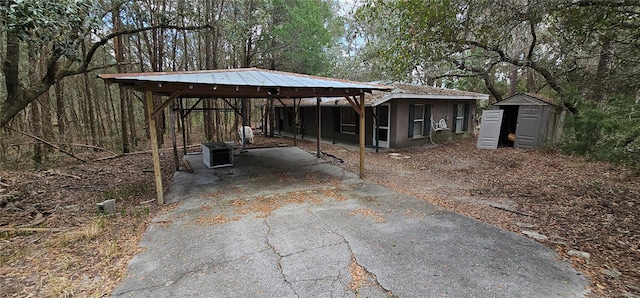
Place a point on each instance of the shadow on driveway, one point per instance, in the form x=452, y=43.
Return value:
x=281, y=223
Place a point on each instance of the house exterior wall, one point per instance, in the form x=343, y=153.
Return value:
x=441, y=109
x=330, y=121
x=398, y=120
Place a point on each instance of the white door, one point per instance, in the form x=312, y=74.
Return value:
x=382, y=126
x=528, y=127
x=490, y=129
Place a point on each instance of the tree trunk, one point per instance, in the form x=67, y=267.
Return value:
x=513, y=80
x=488, y=80
x=60, y=112
x=90, y=110
x=35, y=121
x=14, y=102
x=531, y=81
x=47, y=125
x=119, y=55
x=600, y=81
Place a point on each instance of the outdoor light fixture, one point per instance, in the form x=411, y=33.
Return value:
x=237, y=88
x=215, y=87
x=190, y=86
x=160, y=85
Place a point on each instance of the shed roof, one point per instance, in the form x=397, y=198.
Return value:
x=400, y=91
x=526, y=99
x=241, y=83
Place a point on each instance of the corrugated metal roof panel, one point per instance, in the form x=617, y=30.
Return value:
x=244, y=77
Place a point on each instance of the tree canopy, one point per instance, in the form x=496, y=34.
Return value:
x=65, y=35
x=564, y=44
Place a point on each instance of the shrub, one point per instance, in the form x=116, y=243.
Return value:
x=609, y=132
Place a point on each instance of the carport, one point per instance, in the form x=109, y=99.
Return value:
x=249, y=83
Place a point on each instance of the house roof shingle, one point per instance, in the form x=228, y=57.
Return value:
x=400, y=91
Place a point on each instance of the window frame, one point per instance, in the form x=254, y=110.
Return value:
x=463, y=110
x=425, y=129
x=418, y=120
x=344, y=124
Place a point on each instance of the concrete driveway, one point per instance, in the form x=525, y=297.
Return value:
x=281, y=223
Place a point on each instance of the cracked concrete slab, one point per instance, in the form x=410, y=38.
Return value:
x=281, y=223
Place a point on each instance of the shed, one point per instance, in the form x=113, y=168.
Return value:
x=527, y=121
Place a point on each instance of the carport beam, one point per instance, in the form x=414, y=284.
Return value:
x=154, y=147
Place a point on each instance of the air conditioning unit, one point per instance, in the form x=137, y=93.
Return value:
x=217, y=155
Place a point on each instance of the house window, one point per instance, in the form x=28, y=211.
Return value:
x=418, y=122
x=348, y=121
x=460, y=118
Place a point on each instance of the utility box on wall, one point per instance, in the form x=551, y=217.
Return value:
x=217, y=155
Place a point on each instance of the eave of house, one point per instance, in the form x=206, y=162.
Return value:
x=408, y=96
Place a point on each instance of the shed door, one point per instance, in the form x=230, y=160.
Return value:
x=528, y=126
x=490, y=129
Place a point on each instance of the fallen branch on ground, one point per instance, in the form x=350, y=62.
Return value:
x=68, y=145
x=134, y=153
x=38, y=220
x=49, y=144
x=510, y=209
x=55, y=172
x=331, y=155
x=32, y=230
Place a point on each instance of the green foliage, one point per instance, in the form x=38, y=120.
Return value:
x=610, y=132
x=298, y=35
x=59, y=22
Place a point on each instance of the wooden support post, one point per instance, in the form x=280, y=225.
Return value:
x=174, y=142
x=154, y=148
x=362, y=130
x=318, y=154
x=295, y=124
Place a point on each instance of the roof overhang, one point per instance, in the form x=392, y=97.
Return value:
x=407, y=96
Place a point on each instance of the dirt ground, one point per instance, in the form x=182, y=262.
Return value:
x=54, y=244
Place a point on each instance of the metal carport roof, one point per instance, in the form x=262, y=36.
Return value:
x=241, y=83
